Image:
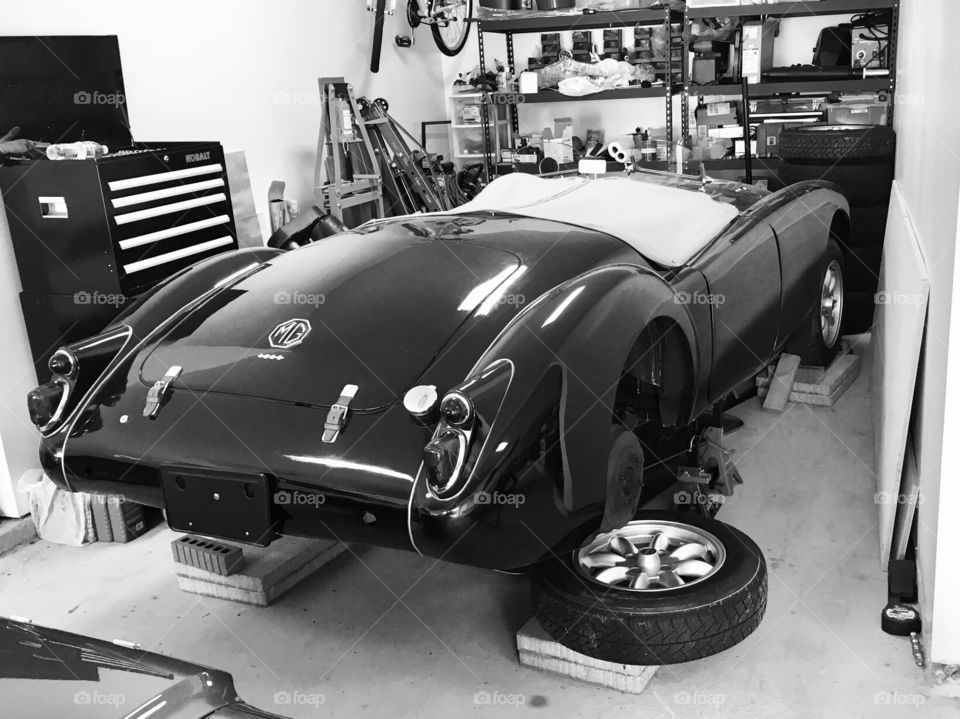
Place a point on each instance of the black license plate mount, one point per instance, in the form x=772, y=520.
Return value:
x=219, y=504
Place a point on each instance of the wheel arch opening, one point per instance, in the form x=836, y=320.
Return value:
x=656, y=382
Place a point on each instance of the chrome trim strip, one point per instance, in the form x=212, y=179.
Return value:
x=58, y=412
x=165, y=193
x=141, y=265
x=132, y=242
x=129, y=217
x=142, y=180
x=123, y=355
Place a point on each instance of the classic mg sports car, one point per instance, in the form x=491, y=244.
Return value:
x=501, y=385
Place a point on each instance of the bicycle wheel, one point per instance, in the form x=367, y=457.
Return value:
x=451, y=26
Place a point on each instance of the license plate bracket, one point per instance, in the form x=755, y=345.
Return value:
x=219, y=504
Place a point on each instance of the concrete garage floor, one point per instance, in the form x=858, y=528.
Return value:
x=385, y=634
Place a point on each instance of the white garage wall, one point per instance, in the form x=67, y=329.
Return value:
x=238, y=71
x=928, y=168
x=244, y=72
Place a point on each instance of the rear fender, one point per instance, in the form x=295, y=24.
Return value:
x=586, y=328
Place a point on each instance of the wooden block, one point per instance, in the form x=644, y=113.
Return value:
x=539, y=650
x=781, y=383
x=833, y=383
x=268, y=573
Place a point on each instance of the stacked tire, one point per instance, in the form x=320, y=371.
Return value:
x=859, y=159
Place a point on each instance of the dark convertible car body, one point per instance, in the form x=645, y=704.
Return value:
x=225, y=396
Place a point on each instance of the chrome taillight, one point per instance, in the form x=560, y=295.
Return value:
x=443, y=460
x=457, y=409
x=63, y=362
x=47, y=403
x=75, y=369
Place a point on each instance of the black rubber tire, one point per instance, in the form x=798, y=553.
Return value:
x=841, y=144
x=858, y=307
x=438, y=38
x=664, y=627
x=868, y=225
x=807, y=341
x=862, y=185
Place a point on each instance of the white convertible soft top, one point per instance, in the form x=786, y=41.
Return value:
x=665, y=224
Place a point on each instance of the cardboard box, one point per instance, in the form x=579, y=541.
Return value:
x=716, y=119
x=126, y=520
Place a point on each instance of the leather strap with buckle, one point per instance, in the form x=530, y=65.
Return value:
x=339, y=414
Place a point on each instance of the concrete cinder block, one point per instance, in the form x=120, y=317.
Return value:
x=539, y=650
x=213, y=556
x=268, y=571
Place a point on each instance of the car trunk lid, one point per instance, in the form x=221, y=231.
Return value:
x=368, y=310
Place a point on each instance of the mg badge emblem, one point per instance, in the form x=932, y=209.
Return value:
x=289, y=334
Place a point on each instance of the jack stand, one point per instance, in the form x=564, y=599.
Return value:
x=706, y=486
x=727, y=422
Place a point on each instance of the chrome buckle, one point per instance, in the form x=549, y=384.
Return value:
x=158, y=392
x=339, y=414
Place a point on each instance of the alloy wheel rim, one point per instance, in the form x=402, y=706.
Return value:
x=651, y=556
x=831, y=303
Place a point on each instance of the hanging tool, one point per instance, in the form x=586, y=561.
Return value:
x=347, y=174
x=408, y=187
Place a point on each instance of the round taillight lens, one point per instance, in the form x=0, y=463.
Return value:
x=456, y=409
x=63, y=362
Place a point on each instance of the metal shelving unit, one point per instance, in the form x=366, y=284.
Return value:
x=623, y=93
x=670, y=16
x=667, y=16
x=798, y=8
x=810, y=8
